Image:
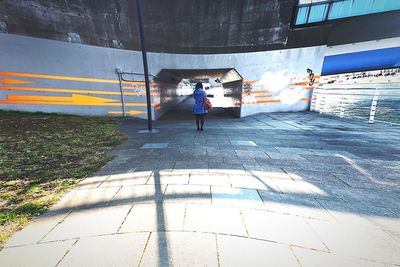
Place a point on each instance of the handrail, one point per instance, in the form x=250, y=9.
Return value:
x=354, y=100
x=121, y=73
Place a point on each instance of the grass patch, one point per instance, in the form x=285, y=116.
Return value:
x=42, y=156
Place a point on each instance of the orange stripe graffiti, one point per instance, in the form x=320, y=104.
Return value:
x=73, y=100
x=249, y=82
x=13, y=81
x=262, y=96
x=78, y=91
x=303, y=83
x=270, y=101
x=68, y=78
x=57, y=77
x=129, y=112
x=57, y=90
x=262, y=102
x=255, y=92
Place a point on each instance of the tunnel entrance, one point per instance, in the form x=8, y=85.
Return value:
x=223, y=87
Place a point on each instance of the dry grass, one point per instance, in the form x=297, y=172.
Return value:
x=42, y=156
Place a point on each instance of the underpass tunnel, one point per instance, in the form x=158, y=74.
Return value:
x=223, y=88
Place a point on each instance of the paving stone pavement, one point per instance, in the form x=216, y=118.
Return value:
x=284, y=189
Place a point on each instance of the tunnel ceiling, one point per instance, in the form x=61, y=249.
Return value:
x=176, y=75
x=176, y=26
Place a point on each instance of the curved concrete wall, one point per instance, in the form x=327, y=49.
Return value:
x=52, y=76
x=187, y=26
x=179, y=26
x=280, y=64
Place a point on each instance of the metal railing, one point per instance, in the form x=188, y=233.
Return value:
x=380, y=102
x=122, y=77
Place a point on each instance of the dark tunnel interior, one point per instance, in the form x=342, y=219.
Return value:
x=223, y=87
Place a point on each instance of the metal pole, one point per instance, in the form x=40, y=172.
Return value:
x=373, y=106
x=342, y=103
x=122, y=94
x=146, y=71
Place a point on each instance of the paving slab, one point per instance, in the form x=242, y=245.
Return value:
x=242, y=143
x=169, y=177
x=250, y=154
x=282, y=228
x=262, y=168
x=361, y=214
x=210, y=179
x=240, y=161
x=79, y=199
x=252, y=182
x=36, y=230
x=40, y=255
x=239, y=251
x=154, y=217
x=178, y=249
x=285, y=156
x=238, y=197
x=154, y=165
x=317, y=177
x=294, y=205
x=359, y=242
x=302, y=188
x=313, y=258
x=129, y=178
x=394, y=234
x=110, y=250
x=92, y=182
x=273, y=173
x=154, y=145
x=188, y=194
x=138, y=194
x=191, y=165
x=92, y=222
x=214, y=219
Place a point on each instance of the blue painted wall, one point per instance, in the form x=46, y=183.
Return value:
x=362, y=61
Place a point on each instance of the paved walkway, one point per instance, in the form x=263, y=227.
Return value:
x=291, y=189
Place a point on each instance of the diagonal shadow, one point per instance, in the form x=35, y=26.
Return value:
x=161, y=235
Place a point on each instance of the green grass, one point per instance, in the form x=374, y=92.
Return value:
x=42, y=156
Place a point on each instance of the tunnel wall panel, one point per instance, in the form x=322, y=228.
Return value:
x=170, y=96
x=234, y=92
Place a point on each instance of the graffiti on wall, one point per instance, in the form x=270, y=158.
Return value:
x=18, y=88
x=280, y=87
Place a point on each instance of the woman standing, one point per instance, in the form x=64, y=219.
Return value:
x=198, y=109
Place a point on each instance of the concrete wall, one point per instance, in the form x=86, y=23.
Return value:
x=178, y=26
x=81, y=79
x=73, y=63
x=187, y=26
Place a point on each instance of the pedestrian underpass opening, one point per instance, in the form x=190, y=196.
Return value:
x=223, y=87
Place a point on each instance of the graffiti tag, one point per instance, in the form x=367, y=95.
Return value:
x=310, y=77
